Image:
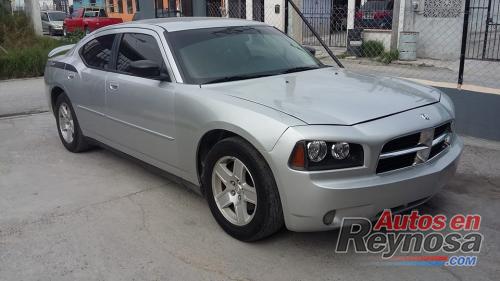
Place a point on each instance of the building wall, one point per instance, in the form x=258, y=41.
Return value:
x=126, y=9
x=439, y=26
x=85, y=3
x=272, y=18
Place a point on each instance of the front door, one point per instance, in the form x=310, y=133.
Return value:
x=141, y=107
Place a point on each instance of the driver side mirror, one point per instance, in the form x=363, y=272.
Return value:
x=148, y=69
x=311, y=50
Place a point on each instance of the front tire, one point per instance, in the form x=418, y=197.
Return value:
x=241, y=190
x=68, y=127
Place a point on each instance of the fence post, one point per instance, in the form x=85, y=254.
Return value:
x=286, y=18
x=464, y=44
x=332, y=55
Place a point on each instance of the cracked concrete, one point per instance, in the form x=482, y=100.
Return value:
x=98, y=216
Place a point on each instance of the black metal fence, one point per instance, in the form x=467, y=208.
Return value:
x=329, y=19
x=436, y=41
x=483, y=36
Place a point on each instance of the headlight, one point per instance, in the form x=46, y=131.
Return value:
x=340, y=150
x=313, y=155
x=316, y=150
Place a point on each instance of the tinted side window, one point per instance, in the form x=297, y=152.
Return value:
x=97, y=53
x=136, y=47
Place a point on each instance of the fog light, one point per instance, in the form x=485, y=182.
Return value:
x=316, y=150
x=328, y=218
x=340, y=150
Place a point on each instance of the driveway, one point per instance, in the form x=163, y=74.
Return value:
x=98, y=216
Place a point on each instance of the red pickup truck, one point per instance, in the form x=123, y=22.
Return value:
x=88, y=20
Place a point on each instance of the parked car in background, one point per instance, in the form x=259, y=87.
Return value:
x=253, y=121
x=88, y=20
x=52, y=22
x=375, y=15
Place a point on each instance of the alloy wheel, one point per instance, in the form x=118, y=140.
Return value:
x=66, y=124
x=234, y=190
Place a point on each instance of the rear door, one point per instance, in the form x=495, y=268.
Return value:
x=91, y=87
x=140, y=108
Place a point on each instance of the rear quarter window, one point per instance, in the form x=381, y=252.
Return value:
x=97, y=52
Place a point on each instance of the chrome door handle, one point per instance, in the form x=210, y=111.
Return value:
x=113, y=86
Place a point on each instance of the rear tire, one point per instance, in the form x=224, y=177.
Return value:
x=51, y=32
x=262, y=219
x=68, y=127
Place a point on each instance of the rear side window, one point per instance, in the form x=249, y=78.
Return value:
x=137, y=47
x=97, y=52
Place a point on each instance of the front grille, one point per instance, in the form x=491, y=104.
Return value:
x=413, y=149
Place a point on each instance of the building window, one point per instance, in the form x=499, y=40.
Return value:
x=130, y=9
x=111, y=5
x=120, y=6
x=137, y=8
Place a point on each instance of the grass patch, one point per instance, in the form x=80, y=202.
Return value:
x=23, y=53
x=372, y=49
x=388, y=57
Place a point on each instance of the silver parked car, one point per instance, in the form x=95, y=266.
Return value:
x=52, y=22
x=247, y=116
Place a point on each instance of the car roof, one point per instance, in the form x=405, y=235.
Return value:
x=186, y=23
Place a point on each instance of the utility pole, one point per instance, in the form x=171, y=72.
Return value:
x=32, y=9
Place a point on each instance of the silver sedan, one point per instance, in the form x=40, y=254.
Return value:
x=252, y=120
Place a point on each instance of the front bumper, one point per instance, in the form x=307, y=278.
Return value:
x=359, y=192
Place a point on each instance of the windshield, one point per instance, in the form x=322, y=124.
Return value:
x=57, y=16
x=374, y=5
x=95, y=13
x=221, y=54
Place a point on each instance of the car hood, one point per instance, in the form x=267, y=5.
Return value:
x=332, y=96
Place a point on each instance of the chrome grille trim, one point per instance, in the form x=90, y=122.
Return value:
x=438, y=139
x=429, y=146
x=402, y=152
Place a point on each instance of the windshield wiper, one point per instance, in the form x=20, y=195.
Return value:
x=252, y=76
x=237, y=77
x=298, y=69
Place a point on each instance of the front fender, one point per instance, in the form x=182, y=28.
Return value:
x=198, y=114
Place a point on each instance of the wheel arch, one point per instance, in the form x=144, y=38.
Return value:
x=214, y=135
x=54, y=94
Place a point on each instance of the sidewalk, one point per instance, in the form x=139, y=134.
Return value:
x=478, y=73
x=22, y=96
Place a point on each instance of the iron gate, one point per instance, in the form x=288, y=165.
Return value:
x=329, y=19
x=483, y=36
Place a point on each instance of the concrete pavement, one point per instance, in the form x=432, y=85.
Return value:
x=22, y=96
x=98, y=216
